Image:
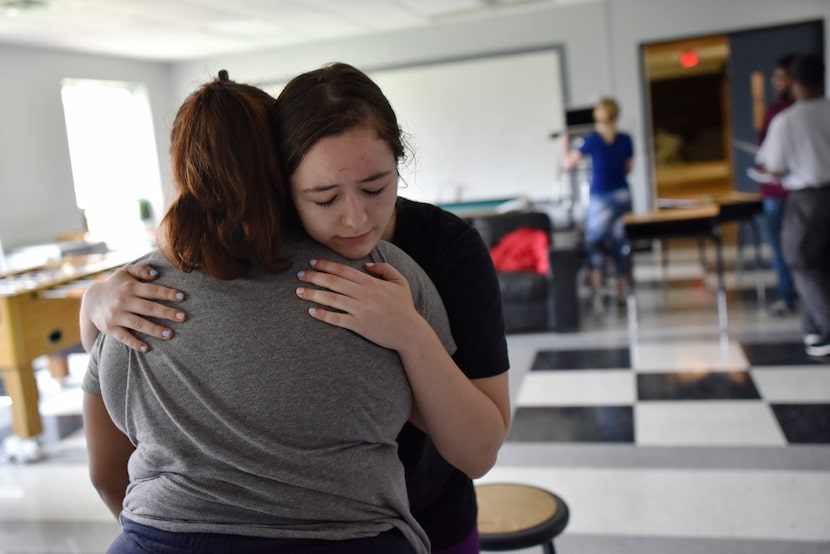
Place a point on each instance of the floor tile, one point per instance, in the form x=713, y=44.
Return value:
x=672, y=271
x=28, y=493
x=688, y=356
x=804, y=423
x=570, y=424
x=795, y=384
x=734, y=423
x=605, y=358
x=679, y=503
x=696, y=385
x=627, y=544
x=776, y=354
x=580, y=388
x=53, y=537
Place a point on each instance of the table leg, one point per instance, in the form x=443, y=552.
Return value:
x=701, y=250
x=723, y=324
x=631, y=311
x=58, y=366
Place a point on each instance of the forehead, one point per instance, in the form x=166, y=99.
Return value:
x=347, y=154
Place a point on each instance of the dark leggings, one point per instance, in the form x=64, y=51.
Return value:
x=142, y=539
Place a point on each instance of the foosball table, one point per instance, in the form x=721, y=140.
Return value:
x=39, y=316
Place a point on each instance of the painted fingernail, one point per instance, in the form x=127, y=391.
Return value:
x=153, y=273
x=312, y=263
x=312, y=311
x=166, y=333
x=300, y=274
x=179, y=296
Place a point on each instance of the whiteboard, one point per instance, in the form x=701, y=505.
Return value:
x=479, y=128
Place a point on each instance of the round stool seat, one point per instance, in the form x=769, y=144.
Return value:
x=513, y=516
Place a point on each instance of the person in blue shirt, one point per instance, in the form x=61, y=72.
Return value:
x=611, y=153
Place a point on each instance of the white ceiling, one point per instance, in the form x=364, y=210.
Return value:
x=177, y=30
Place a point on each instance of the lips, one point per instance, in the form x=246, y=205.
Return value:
x=357, y=238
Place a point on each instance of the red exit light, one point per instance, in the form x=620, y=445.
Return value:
x=689, y=59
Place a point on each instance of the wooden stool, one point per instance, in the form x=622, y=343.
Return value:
x=513, y=516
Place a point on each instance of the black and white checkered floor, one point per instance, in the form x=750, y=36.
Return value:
x=674, y=439
x=673, y=394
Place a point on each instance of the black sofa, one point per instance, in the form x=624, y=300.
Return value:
x=534, y=302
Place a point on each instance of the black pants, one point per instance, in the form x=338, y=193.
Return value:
x=805, y=239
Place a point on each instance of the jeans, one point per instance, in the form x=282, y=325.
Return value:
x=142, y=539
x=774, y=216
x=604, y=225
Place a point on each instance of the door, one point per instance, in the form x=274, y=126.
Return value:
x=752, y=56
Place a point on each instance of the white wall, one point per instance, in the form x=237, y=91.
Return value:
x=601, y=48
x=600, y=45
x=37, y=199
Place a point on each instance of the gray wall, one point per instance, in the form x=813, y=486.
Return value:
x=600, y=44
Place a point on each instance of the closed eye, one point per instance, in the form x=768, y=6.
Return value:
x=328, y=202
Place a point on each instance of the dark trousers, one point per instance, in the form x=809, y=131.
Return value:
x=805, y=239
x=142, y=539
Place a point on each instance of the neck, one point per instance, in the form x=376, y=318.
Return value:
x=607, y=130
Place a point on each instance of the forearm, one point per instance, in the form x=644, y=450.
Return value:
x=89, y=332
x=570, y=158
x=109, y=452
x=113, y=496
x=467, y=426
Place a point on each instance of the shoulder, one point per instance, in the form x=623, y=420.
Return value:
x=425, y=232
x=590, y=140
x=425, y=295
x=624, y=142
x=421, y=217
x=387, y=252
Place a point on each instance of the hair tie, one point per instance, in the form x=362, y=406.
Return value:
x=223, y=75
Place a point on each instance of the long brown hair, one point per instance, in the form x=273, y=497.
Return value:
x=230, y=205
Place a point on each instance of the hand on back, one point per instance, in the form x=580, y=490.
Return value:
x=119, y=306
x=376, y=306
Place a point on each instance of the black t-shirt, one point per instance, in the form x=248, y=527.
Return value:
x=452, y=254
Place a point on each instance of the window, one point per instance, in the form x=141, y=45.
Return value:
x=114, y=159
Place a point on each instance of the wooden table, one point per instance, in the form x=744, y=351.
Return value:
x=696, y=222
x=39, y=316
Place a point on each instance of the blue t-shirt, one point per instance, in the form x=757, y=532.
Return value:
x=608, y=161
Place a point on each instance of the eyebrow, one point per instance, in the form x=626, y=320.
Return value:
x=368, y=179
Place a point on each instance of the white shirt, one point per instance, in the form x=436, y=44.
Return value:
x=797, y=145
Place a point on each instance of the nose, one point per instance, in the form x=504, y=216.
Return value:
x=354, y=213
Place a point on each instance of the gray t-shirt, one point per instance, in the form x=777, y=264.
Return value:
x=258, y=419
